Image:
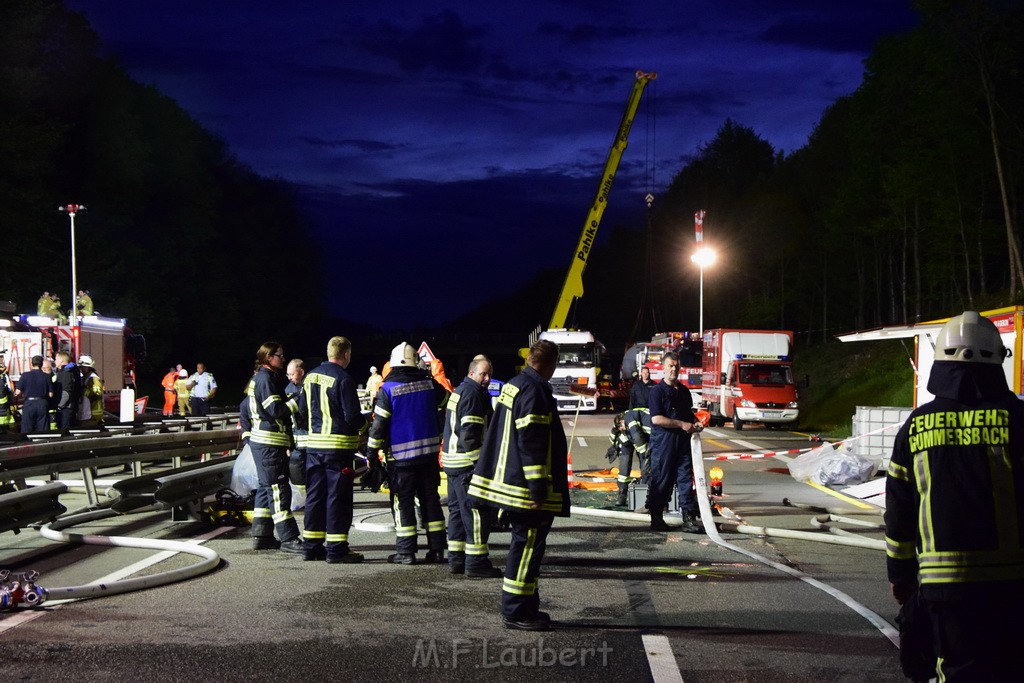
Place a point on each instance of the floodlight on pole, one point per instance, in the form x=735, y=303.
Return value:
x=71, y=210
x=703, y=257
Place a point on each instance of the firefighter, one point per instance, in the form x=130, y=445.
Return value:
x=68, y=387
x=85, y=305
x=638, y=426
x=640, y=389
x=407, y=427
x=954, y=498
x=44, y=305
x=269, y=441
x=170, y=393
x=622, y=447
x=672, y=423
x=465, y=423
x=522, y=469
x=373, y=383
x=91, y=414
x=6, y=398
x=334, y=424
x=36, y=390
x=296, y=374
x=183, y=393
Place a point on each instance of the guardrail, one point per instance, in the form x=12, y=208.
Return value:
x=85, y=451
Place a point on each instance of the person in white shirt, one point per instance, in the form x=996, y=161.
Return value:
x=203, y=386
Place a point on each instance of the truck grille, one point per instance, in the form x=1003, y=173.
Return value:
x=772, y=406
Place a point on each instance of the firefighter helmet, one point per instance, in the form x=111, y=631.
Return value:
x=86, y=361
x=404, y=354
x=970, y=338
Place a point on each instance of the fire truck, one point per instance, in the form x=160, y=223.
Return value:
x=115, y=348
x=687, y=345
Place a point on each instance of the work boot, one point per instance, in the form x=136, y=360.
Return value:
x=317, y=552
x=293, y=546
x=434, y=557
x=265, y=543
x=345, y=558
x=487, y=571
x=621, y=502
x=457, y=563
x=690, y=525
x=658, y=522
x=402, y=558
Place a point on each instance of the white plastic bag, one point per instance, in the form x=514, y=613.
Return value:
x=245, y=480
x=828, y=466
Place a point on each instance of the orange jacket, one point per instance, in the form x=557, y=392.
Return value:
x=169, y=379
x=437, y=370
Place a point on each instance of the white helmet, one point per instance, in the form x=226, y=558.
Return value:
x=404, y=354
x=970, y=338
x=373, y=369
x=86, y=361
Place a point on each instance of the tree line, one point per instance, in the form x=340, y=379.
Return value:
x=903, y=206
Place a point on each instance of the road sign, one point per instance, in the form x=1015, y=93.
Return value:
x=425, y=353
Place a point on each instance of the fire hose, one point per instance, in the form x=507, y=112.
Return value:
x=54, y=532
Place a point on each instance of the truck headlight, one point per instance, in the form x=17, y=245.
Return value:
x=745, y=403
x=793, y=404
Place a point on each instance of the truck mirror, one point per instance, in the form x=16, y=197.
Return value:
x=805, y=382
x=722, y=380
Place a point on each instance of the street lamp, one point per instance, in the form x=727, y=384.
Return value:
x=71, y=210
x=703, y=257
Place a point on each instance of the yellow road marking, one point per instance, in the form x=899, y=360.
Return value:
x=843, y=497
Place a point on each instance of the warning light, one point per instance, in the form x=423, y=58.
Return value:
x=716, y=474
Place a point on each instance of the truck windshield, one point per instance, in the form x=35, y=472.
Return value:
x=577, y=355
x=762, y=373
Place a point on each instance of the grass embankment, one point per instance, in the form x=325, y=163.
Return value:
x=846, y=375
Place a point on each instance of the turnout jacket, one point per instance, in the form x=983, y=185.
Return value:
x=525, y=456
x=638, y=426
x=269, y=412
x=407, y=417
x=330, y=402
x=6, y=401
x=300, y=417
x=955, y=485
x=465, y=422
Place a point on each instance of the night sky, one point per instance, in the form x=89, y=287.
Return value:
x=450, y=140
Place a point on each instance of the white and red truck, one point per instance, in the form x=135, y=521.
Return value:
x=748, y=377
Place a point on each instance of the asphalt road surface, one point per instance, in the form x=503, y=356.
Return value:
x=628, y=604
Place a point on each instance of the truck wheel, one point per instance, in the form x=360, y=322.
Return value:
x=737, y=423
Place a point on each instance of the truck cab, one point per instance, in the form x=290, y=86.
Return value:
x=580, y=357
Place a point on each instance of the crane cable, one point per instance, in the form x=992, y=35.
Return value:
x=650, y=168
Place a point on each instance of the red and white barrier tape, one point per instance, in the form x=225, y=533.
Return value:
x=771, y=454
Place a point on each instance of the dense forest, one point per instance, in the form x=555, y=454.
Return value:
x=904, y=205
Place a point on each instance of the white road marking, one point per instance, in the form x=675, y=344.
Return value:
x=583, y=442
x=661, y=660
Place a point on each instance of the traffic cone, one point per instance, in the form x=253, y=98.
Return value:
x=569, y=476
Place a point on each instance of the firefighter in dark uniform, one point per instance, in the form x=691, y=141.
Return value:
x=954, y=499
x=335, y=424
x=269, y=441
x=622, y=450
x=407, y=427
x=638, y=426
x=640, y=389
x=36, y=389
x=296, y=373
x=465, y=423
x=638, y=421
x=6, y=398
x=523, y=469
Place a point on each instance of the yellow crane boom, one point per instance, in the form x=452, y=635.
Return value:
x=572, y=288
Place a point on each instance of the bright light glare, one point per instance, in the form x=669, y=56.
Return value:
x=703, y=257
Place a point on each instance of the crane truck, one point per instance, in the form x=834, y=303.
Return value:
x=581, y=355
